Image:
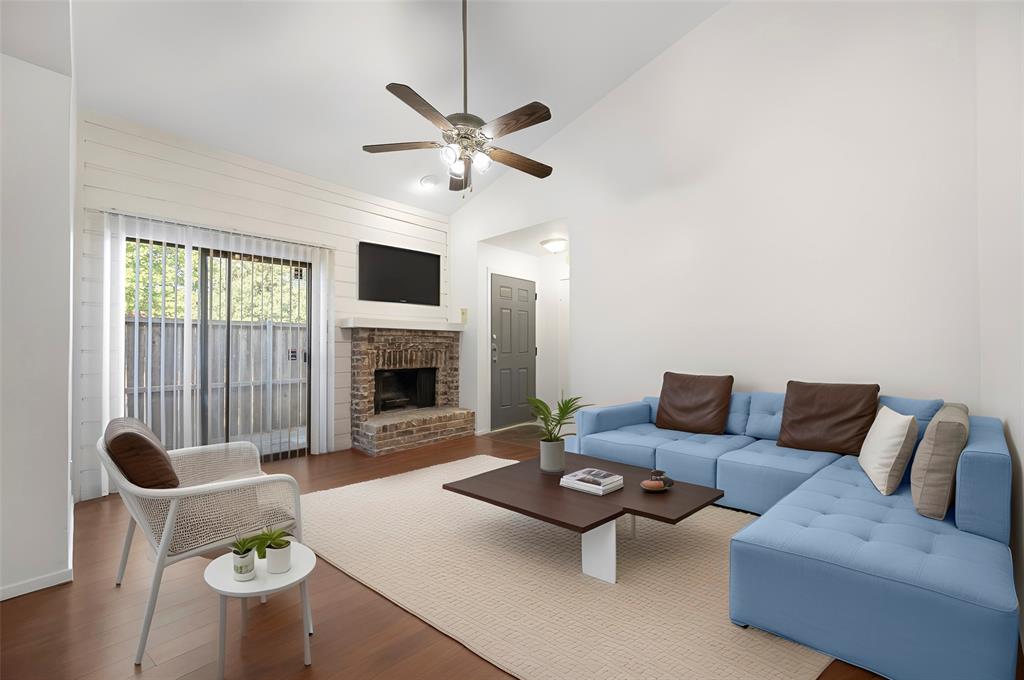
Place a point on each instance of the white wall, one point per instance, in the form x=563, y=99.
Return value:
x=130, y=169
x=35, y=280
x=787, y=192
x=1000, y=178
x=552, y=326
x=821, y=191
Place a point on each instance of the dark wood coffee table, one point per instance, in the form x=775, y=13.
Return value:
x=523, y=488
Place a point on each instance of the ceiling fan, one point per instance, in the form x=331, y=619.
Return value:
x=467, y=139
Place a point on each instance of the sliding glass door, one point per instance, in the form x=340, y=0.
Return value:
x=242, y=370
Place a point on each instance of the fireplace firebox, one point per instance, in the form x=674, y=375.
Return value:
x=403, y=388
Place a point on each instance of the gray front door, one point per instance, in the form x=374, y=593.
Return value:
x=513, y=349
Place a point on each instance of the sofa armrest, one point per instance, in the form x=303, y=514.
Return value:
x=605, y=418
x=983, y=478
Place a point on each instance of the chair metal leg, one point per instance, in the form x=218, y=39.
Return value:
x=158, y=573
x=124, y=551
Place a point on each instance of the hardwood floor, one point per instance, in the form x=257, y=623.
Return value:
x=88, y=629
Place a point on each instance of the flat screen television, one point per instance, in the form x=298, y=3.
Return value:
x=388, y=274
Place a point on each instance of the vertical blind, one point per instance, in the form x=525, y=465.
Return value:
x=216, y=336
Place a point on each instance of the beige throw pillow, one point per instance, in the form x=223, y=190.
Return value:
x=933, y=474
x=887, y=448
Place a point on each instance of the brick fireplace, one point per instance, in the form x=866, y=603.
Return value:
x=405, y=389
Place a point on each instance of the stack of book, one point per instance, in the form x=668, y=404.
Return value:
x=592, y=480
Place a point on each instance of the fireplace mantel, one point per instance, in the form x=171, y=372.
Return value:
x=400, y=324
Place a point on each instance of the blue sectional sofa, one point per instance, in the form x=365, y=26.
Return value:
x=831, y=562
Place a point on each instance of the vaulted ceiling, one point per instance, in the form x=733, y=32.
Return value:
x=301, y=84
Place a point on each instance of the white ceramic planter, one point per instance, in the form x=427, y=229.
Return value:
x=552, y=457
x=279, y=560
x=244, y=566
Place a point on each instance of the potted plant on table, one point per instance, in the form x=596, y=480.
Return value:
x=243, y=557
x=552, y=445
x=276, y=546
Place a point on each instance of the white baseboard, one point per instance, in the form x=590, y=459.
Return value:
x=34, y=584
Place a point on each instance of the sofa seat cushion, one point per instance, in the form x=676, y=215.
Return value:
x=652, y=430
x=839, y=567
x=622, y=447
x=839, y=517
x=757, y=476
x=694, y=459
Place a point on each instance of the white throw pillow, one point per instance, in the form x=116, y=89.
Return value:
x=887, y=448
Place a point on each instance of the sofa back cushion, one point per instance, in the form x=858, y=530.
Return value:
x=694, y=403
x=739, y=411
x=765, y=415
x=139, y=455
x=933, y=474
x=827, y=416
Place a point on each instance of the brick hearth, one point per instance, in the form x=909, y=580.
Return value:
x=386, y=348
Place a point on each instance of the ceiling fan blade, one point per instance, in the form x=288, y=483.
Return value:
x=521, y=163
x=523, y=117
x=409, y=96
x=461, y=183
x=400, y=146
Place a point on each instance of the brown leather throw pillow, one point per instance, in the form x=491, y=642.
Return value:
x=694, y=403
x=138, y=453
x=827, y=416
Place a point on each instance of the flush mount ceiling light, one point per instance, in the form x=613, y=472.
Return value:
x=555, y=245
x=467, y=139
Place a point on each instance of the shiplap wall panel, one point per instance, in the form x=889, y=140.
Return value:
x=126, y=168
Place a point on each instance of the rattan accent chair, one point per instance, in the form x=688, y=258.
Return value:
x=222, y=492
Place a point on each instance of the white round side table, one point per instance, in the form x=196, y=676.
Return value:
x=219, y=576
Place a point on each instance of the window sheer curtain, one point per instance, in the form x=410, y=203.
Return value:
x=212, y=336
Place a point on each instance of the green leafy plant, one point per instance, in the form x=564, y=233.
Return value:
x=243, y=544
x=272, y=538
x=553, y=420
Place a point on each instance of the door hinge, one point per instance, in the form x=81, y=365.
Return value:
x=535, y=350
x=535, y=296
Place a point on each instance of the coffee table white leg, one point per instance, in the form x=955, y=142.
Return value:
x=599, y=552
x=222, y=636
x=307, y=623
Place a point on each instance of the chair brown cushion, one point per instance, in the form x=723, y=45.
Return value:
x=138, y=453
x=827, y=416
x=694, y=403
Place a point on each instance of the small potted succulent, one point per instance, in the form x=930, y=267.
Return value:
x=243, y=557
x=552, y=445
x=276, y=546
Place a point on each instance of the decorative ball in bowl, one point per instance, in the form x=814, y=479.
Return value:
x=658, y=483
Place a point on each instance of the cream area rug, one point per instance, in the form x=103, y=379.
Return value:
x=510, y=588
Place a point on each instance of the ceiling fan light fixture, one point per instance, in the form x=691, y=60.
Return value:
x=466, y=137
x=450, y=153
x=555, y=245
x=481, y=161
